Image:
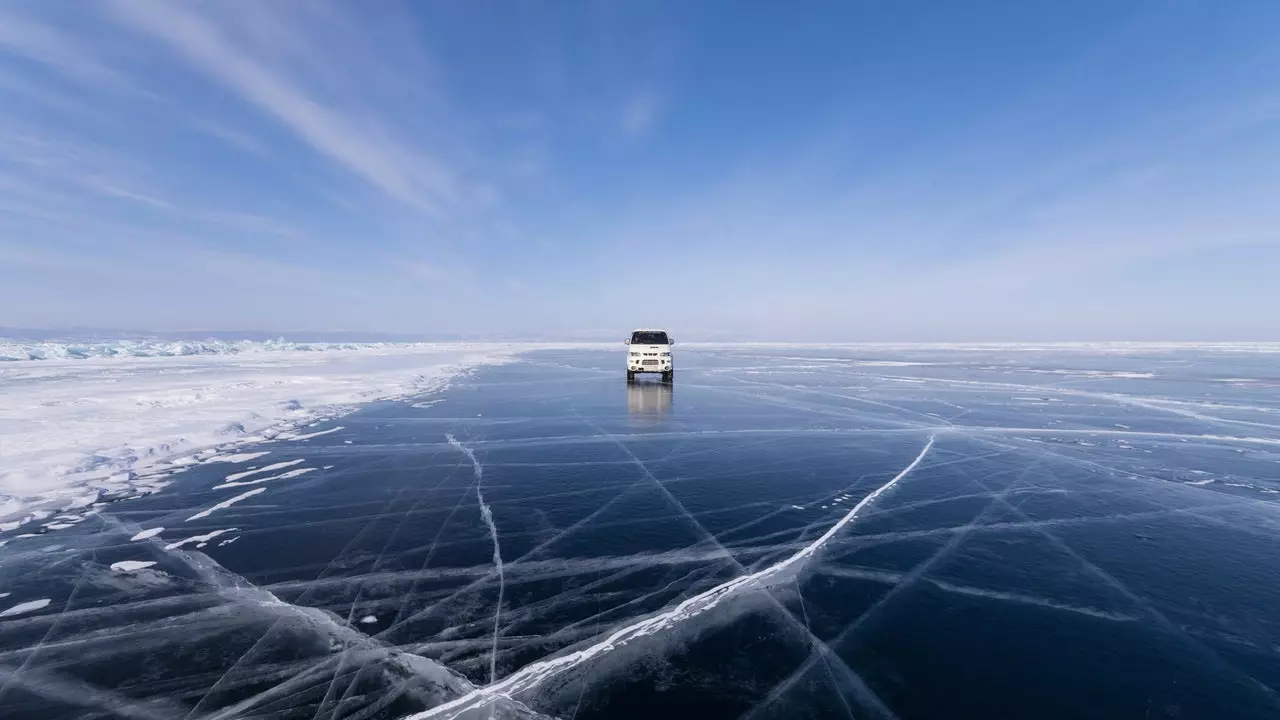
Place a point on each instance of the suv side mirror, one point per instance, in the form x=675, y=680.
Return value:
x=671, y=341
x=627, y=341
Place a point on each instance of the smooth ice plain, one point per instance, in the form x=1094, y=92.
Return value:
x=838, y=531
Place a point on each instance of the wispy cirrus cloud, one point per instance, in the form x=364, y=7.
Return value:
x=44, y=44
x=640, y=112
x=53, y=166
x=357, y=144
x=323, y=164
x=446, y=164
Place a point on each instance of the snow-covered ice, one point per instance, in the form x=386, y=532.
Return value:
x=127, y=566
x=147, y=534
x=239, y=457
x=234, y=477
x=80, y=420
x=23, y=608
x=198, y=539
x=259, y=480
x=311, y=435
x=226, y=504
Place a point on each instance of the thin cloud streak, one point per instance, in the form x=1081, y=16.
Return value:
x=398, y=170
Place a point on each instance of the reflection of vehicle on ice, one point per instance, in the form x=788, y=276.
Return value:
x=649, y=400
x=649, y=351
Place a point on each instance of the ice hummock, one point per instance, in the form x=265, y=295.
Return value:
x=14, y=350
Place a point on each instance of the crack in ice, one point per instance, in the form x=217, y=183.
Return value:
x=534, y=674
x=895, y=578
x=907, y=580
x=860, y=686
x=487, y=514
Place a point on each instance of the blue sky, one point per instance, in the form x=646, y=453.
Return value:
x=813, y=171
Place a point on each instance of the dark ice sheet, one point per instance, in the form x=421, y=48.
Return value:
x=1092, y=534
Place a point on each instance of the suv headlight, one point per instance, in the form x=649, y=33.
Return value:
x=631, y=354
x=666, y=354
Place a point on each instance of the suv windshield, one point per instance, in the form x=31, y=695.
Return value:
x=649, y=338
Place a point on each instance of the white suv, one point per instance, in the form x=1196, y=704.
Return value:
x=649, y=351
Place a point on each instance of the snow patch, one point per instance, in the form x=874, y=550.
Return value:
x=269, y=478
x=267, y=468
x=308, y=436
x=198, y=538
x=131, y=565
x=146, y=534
x=239, y=457
x=25, y=607
x=225, y=504
x=83, y=423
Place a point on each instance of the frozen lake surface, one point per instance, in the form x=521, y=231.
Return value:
x=785, y=532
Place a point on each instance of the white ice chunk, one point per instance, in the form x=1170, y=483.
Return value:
x=131, y=565
x=308, y=436
x=225, y=504
x=266, y=468
x=239, y=458
x=145, y=534
x=368, y=619
x=269, y=478
x=198, y=538
x=25, y=607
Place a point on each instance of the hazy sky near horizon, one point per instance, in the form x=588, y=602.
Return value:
x=1102, y=169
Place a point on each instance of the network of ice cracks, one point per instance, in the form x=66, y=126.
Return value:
x=313, y=656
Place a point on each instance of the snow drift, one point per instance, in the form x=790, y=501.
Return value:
x=88, y=423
